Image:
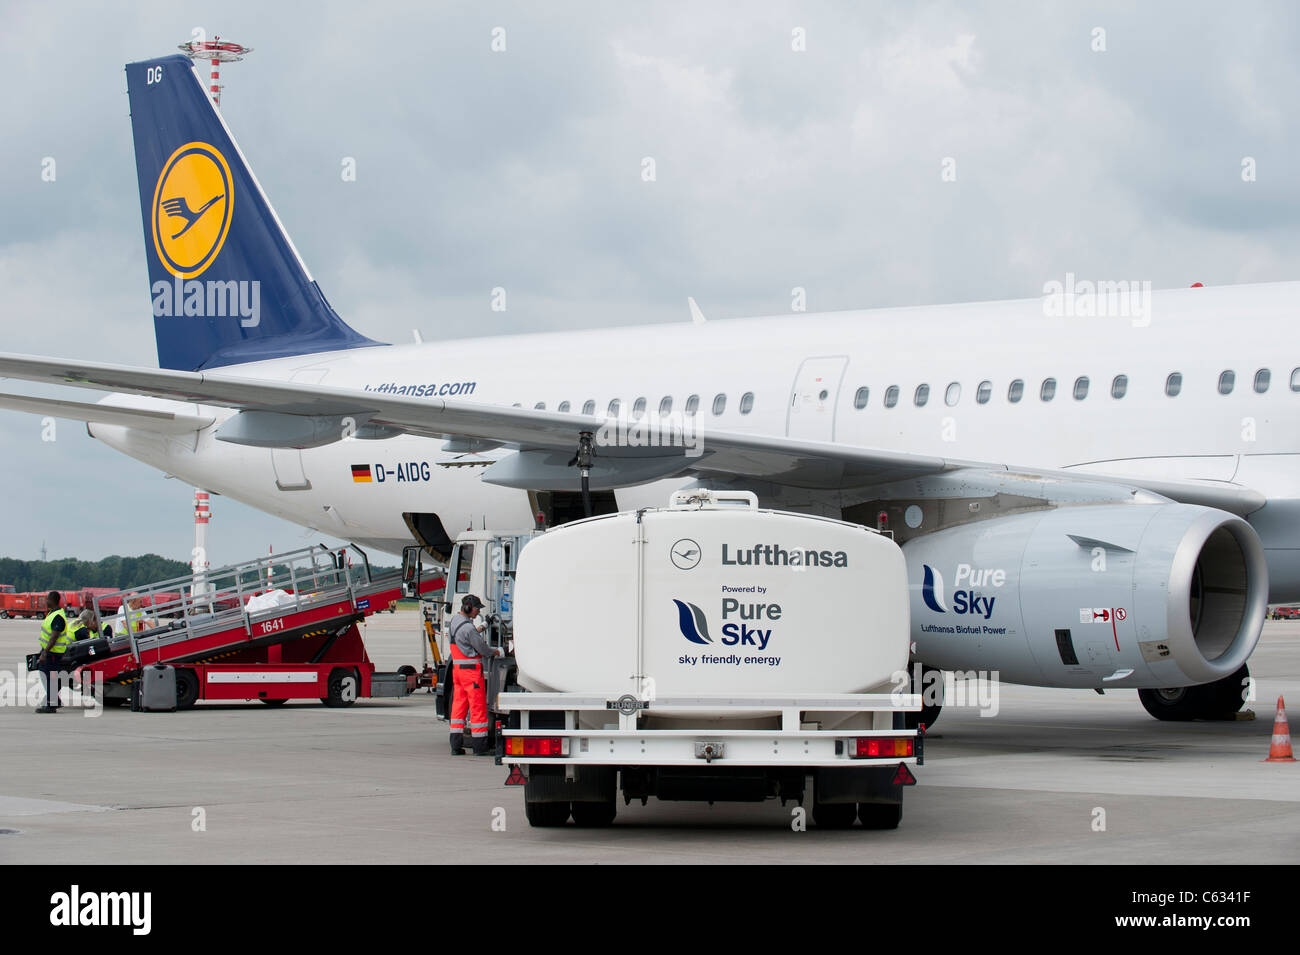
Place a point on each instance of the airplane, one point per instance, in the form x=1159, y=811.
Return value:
x=1104, y=501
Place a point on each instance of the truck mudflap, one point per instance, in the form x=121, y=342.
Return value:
x=618, y=738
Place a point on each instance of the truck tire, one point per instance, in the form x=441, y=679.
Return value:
x=876, y=815
x=594, y=815
x=187, y=688
x=834, y=815
x=335, y=687
x=546, y=814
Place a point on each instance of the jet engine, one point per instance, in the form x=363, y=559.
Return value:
x=1159, y=595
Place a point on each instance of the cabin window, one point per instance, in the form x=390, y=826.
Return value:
x=891, y=396
x=563, y=408
x=1174, y=384
x=1227, y=381
x=1080, y=388
x=1015, y=391
x=540, y=406
x=1262, y=378
x=922, y=395
x=719, y=403
x=1119, y=386
x=1295, y=380
x=692, y=404
x=612, y=410
x=666, y=406
x=1048, y=390
x=984, y=392
x=860, y=399
x=953, y=394
x=589, y=407
x=747, y=402
x=638, y=409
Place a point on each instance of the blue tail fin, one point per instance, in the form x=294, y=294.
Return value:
x=227, y=285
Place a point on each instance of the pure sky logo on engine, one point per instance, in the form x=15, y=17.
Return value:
x=774, y=555
x=193, y=204
x=964, y=601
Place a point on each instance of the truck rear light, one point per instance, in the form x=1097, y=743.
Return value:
x=535, y=746
x=887, y=747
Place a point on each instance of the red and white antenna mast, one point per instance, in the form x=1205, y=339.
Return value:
x=216, y=51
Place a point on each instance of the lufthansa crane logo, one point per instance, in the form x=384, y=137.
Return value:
x=685, y=554
x=192, y=204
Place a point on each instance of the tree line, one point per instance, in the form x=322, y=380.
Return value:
x=29, y=576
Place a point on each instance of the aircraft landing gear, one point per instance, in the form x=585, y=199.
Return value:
x=1219, y=700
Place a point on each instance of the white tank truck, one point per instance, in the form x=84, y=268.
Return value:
x=707, y=650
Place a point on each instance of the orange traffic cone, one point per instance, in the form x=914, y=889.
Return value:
x=1280, y=749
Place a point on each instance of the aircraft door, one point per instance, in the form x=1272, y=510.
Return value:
x=811, y=411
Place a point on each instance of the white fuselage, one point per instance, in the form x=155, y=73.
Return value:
x=805, y=373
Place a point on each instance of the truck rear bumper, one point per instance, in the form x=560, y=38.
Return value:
x=795, y=744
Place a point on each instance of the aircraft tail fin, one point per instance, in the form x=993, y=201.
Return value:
x=226, y=283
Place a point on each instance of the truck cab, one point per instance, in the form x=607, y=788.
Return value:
x=483, y=563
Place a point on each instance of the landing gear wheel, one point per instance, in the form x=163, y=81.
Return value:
x=187, y=689
x=931, y=691
x=876, y=815
x=1228, y=695
x=546, y=814
x=1210, y=701
x=834, y=815
x=594, y=815
x=263, y=699
x=342, y=688
x=1170, y=704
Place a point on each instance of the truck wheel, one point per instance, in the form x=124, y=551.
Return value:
x=187, y=689
x=342, y=688
x=105, y=699
x=4, y=614
x=834, y=815
x=876, y=815
x=546, y=814
x=594, y=815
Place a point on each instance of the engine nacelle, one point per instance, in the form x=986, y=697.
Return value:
x=1140, y=595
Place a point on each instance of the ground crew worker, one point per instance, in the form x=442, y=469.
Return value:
x=469, y=688
x=86, y=626
x=134, y=615
x=56, y=634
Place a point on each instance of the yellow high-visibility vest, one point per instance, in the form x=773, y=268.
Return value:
x=56, y=643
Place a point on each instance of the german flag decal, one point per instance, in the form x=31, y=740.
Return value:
x=361, y=473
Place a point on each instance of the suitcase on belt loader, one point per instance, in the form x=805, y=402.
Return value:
x=155, y=691
x=82, y=650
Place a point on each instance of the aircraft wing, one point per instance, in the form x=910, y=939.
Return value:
x=543, y=442
x=146, y=419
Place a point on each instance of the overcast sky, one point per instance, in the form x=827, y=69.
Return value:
x=775, y=168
